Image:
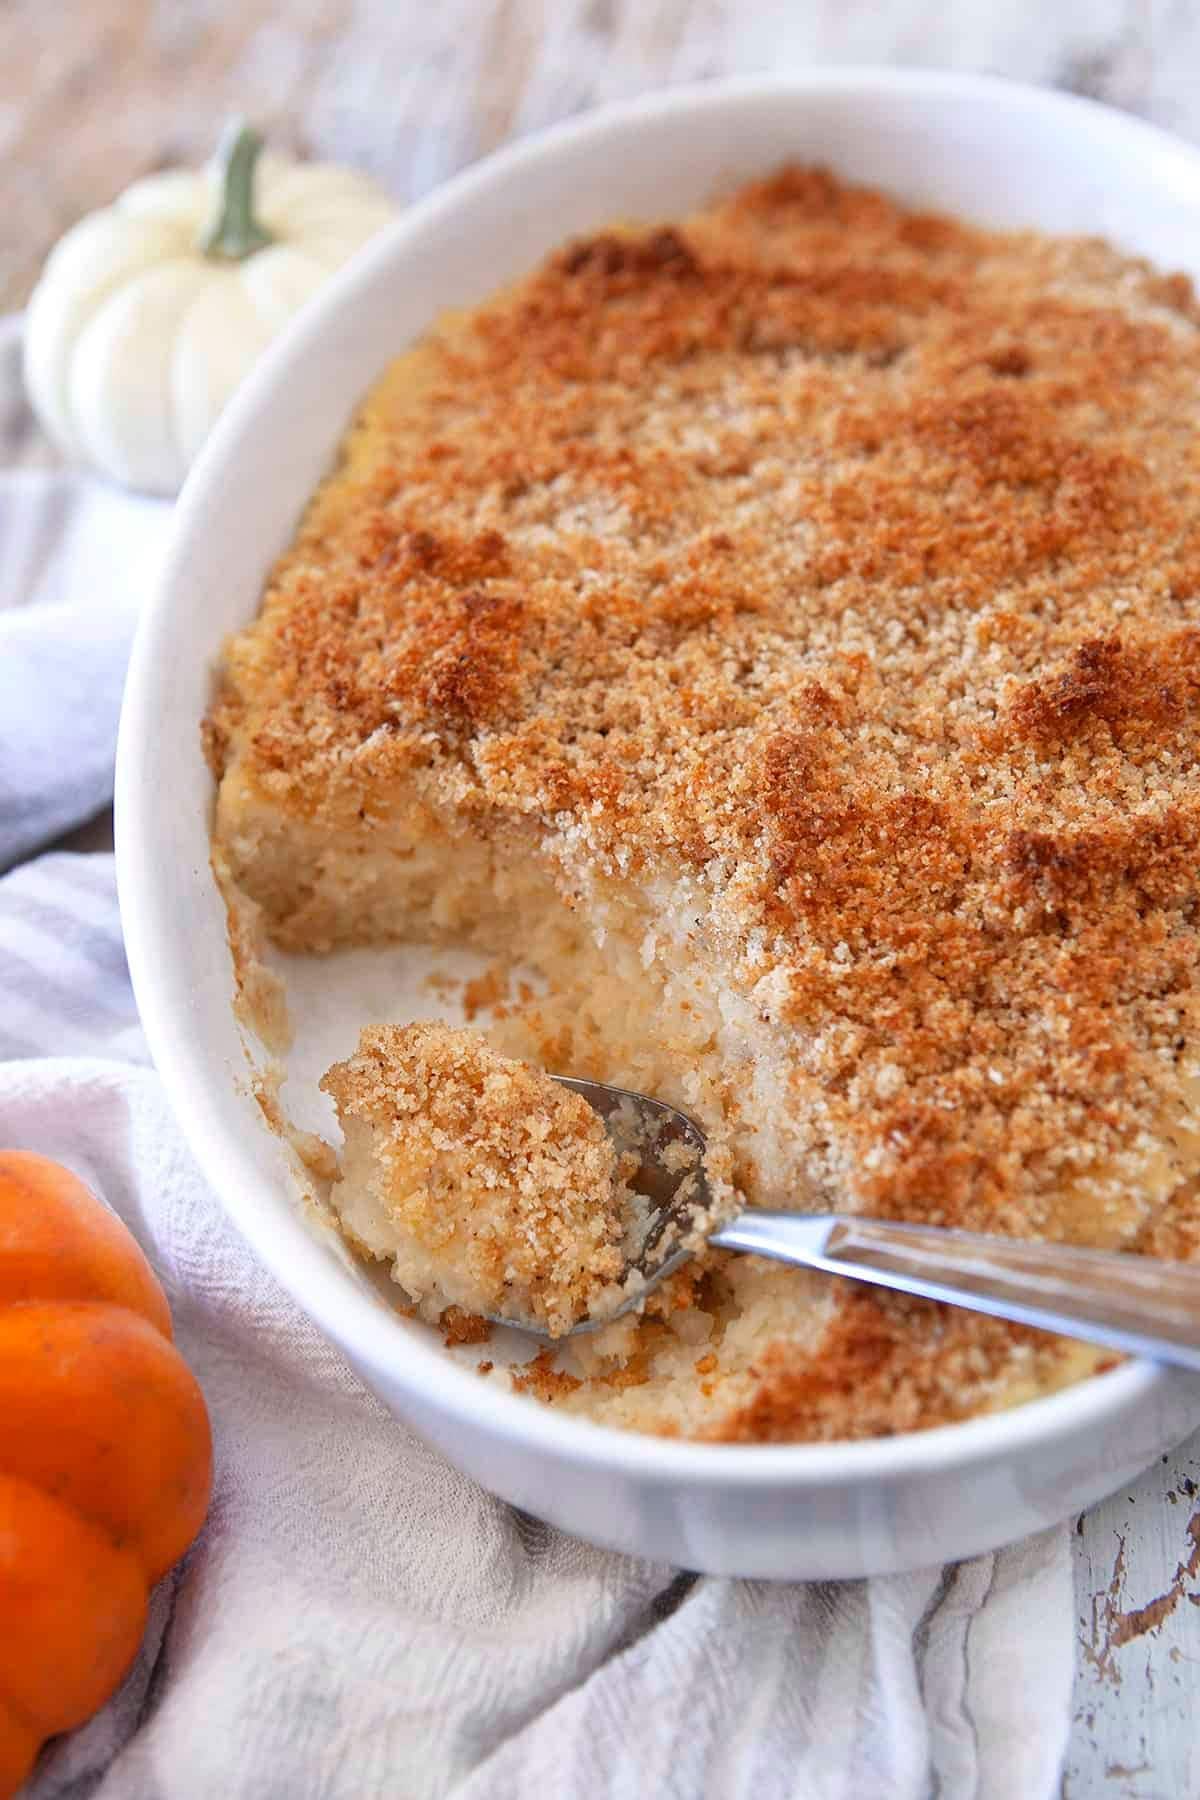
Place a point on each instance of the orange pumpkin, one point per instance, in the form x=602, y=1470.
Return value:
x=105, y=1454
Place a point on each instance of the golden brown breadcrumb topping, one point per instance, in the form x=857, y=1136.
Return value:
x=899, y=1366
x=848, y=558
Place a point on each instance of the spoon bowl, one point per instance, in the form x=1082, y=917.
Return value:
x=670, y=1174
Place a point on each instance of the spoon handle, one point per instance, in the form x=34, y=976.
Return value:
x=1131, y=1303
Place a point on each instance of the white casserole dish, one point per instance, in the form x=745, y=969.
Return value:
x=991, y=151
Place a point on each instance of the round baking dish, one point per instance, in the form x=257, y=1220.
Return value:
x=995, y=152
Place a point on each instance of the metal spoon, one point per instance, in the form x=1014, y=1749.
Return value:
x=1130, y=1303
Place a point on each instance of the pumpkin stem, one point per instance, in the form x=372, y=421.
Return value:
x=233, y=232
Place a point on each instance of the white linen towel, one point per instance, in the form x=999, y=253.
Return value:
x=357, y=1619
x=76, y=559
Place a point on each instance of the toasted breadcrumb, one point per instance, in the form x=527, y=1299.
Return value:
x=463, y=1327
x=806, y=596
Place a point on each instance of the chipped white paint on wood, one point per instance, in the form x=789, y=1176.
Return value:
x=1137, y=1588
x=92, y=95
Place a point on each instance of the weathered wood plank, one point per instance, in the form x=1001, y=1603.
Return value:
x=101, y=91
x=1137, y=1586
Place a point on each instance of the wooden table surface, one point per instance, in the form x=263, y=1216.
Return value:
x=96, y=92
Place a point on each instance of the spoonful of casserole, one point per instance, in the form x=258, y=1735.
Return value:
x=555, y=1205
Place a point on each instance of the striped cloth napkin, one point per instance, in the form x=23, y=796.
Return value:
x=357, y=1619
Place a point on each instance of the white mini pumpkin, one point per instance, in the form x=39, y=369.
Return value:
x=148, y=314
